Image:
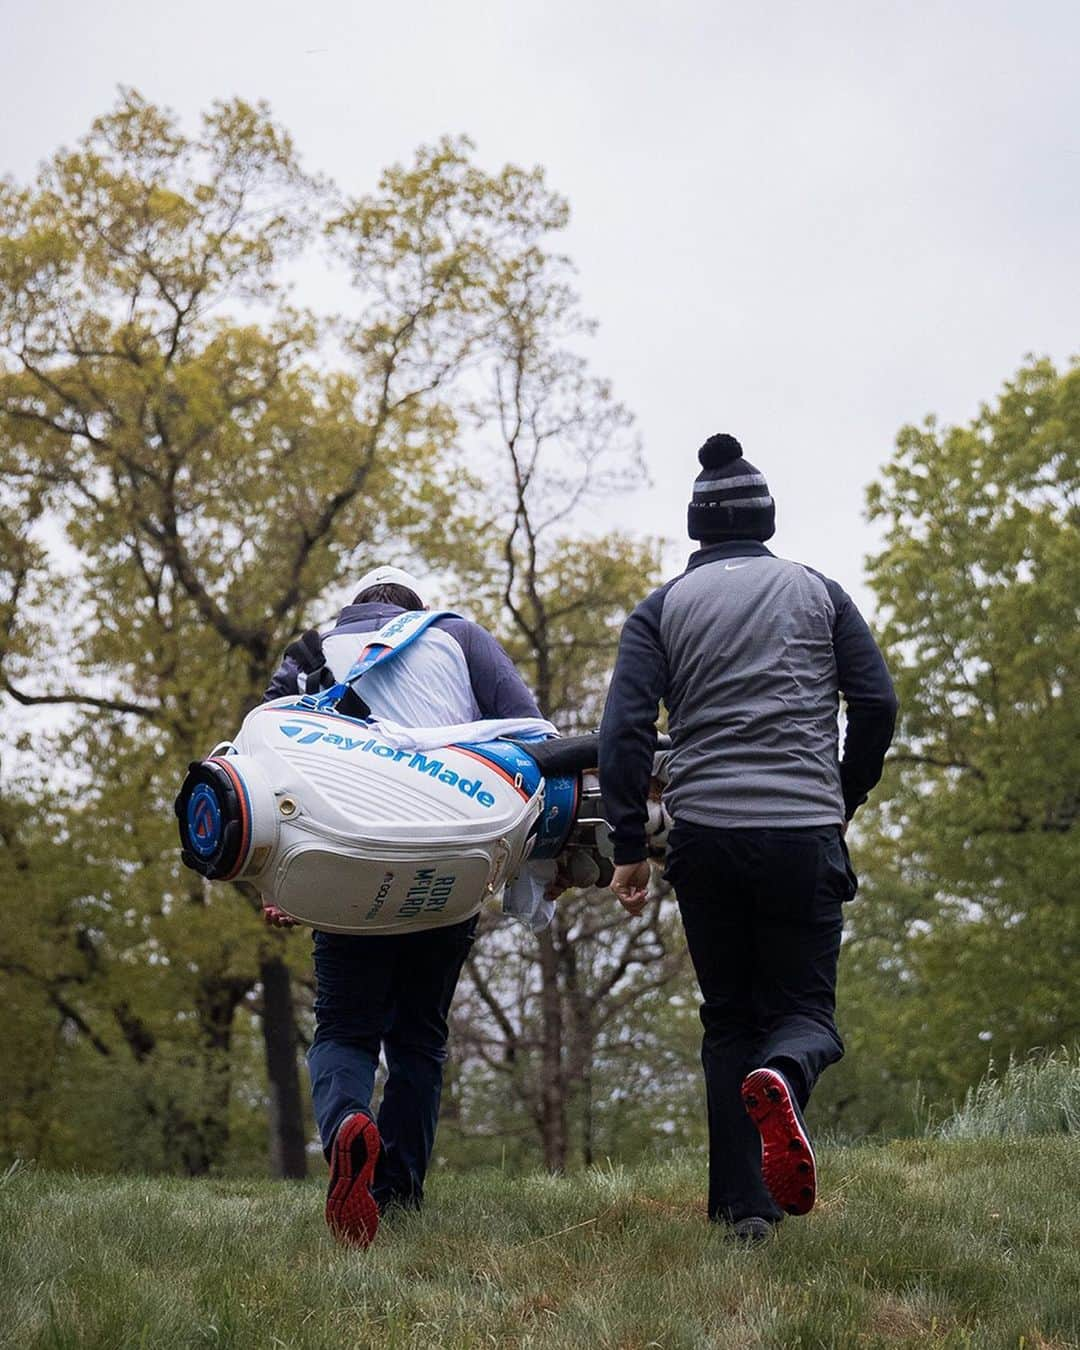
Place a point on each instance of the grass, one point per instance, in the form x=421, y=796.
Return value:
x=1040, y=1095
x=915, y=1243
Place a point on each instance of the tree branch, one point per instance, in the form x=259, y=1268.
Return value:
x=909, y=757
x=82, y=700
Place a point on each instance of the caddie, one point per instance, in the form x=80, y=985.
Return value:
x=390, y=990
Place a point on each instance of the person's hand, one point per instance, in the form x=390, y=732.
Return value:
x=277, y=918
x=630, y=883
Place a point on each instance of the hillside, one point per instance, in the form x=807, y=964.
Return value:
x=915, y=1243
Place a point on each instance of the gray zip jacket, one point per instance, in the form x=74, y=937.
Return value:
x=749, y=653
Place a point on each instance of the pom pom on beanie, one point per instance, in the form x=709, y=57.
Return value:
x=718, y=451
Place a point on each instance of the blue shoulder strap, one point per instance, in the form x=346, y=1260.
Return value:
x=383, y=645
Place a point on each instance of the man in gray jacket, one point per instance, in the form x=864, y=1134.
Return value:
x=749, y=653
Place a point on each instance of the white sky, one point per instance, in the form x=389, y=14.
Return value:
x=804, y=223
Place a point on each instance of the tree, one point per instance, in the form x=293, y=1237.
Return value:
x=189, y=468
x=537, y=1013
x=45, y=955
x=969, y=925
x=132, y=418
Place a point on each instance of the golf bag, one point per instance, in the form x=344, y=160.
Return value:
x=351, y=826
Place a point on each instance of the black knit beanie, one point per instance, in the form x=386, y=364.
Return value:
x=731, y=498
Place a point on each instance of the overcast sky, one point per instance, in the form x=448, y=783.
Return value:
x=803, y=223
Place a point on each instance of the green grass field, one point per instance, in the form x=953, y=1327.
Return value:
x=912, y=1244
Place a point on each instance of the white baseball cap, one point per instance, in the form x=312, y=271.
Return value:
x=388, y=576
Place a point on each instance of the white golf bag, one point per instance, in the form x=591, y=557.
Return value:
x=350, y=828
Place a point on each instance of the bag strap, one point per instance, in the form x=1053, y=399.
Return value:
x=383, y=645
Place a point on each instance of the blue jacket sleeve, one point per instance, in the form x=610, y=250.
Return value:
x=498, y=688
x=628, y=728
x=870, y=700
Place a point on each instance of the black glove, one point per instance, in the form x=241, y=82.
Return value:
x=307, y=652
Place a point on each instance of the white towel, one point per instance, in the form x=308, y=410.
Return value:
x=523, y=895
x=463, y=733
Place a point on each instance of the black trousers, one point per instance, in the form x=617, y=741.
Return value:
x=762, y=913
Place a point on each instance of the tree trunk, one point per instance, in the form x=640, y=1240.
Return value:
x=582, y=1040
x=587, y=1039
x=552, y=1096
x=288, y=1144
x=201, y=1137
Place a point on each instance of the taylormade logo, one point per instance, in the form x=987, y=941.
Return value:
x=395, y=626
x=308, y=733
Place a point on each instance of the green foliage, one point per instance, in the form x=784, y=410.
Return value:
x=967, y=933
x=191, y=471
x=925, y=1243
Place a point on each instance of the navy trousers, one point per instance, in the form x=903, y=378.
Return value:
x=391, y=991
x=762, y=913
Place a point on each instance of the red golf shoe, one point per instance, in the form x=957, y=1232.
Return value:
x=351, y=1210
x=788, y=1165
